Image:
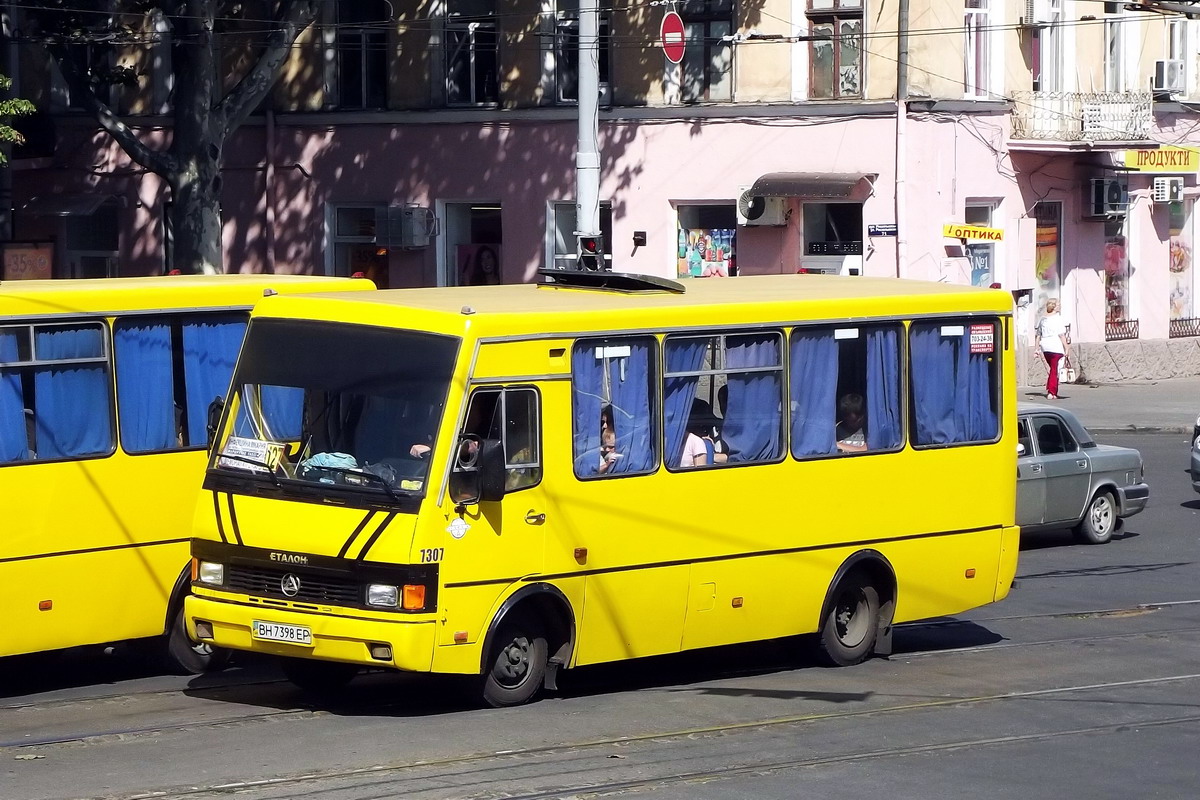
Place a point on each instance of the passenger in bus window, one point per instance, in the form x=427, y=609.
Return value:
x=851, y=426
x=608, y=450
x=695, y=452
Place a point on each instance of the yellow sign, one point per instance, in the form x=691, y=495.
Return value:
x=955, y=231
x=1164, y=159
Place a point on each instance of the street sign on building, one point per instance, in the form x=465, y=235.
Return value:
x=671, y=35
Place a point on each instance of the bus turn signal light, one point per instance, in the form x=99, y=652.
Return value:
x=971, y=572
x=414, y=597
x=45, y=605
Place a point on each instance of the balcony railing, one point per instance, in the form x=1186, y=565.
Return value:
x=1082, y=116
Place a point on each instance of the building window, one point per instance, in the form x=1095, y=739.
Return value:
x=563, y=250
x=836, y=65
x=1114, y=55
x=352, y=245
x=472, y=54
x=1177, y=49
x=566, y=55
x=707, y=67
x=977, y=81
x=981, y=255
x=362, y=54
x=1047, y=52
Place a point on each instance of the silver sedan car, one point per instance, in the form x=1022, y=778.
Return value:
x=1066, y=480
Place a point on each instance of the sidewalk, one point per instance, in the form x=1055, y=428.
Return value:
x=1165, y=406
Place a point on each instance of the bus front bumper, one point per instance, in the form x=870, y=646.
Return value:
x=401, y=644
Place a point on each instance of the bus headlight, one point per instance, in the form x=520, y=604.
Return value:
x=380, y=594
x=211, y=573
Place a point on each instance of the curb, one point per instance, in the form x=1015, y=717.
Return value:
x=1101, y=429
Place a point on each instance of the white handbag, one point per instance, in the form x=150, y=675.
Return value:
x=1066, y=373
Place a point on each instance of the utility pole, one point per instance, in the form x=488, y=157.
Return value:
x=589, y=242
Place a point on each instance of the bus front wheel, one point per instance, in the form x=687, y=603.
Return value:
x=849, y=629
x=517, y=664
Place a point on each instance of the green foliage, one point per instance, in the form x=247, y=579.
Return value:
x=10, y=108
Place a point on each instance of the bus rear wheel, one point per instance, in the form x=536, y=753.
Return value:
x=516, y=665
x=182, y=656
x=849, y=629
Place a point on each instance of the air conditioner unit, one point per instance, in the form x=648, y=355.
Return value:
x=1092, y=121
x=1109, y=197
x=1168, y=76
x=408, y=226
x=1167, y=190
x=1037, y=13
x=758, y=210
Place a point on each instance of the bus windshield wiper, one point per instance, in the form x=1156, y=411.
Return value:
x=264, y=466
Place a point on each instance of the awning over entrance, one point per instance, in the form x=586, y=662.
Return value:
x=65, y=205
x=814, y=185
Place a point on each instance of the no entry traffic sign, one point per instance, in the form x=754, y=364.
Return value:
x=671, y=35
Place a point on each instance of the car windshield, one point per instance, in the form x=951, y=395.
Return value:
x=333, y=406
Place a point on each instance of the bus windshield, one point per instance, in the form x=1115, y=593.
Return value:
x=336, y=407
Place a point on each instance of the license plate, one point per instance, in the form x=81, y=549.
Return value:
x=275, y=632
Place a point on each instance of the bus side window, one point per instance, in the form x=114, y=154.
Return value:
x=845, y=390
x=512, y=417
x=169, y=369
x=954, y=381
x=613, y=392
x=723, y=399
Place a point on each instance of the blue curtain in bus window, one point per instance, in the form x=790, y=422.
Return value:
x=683, y=355
x=883, y=389
x=210, y=348
x=814, y=393
x=752, y=418
x=74, y=409
x=145, y=387
x=951, y=388
x=14, y=444
x=629, y=382
x=976, y=416
x=587, y=397
x=283, y=412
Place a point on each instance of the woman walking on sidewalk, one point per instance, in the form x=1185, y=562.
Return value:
x=1054, y=343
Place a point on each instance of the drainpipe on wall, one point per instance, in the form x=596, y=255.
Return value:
x=269, y=191
x=901, y=148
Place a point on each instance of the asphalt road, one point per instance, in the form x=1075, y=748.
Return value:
x=1084, y=682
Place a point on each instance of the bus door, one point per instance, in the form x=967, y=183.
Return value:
x=499, y=540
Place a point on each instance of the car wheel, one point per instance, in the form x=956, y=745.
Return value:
x=517, y=665
x=1099, y=521
x=848, y=632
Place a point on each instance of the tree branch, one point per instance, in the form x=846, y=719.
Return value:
x=232, y=111
x=153, y=160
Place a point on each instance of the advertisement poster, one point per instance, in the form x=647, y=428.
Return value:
x=1116, y=273
x=1180, y=266
x=28, y=262
x=706, y=252
x=478, y=264
x=1046, y=253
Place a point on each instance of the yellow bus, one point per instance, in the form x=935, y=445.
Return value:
x=510, y=480
x=105, y=388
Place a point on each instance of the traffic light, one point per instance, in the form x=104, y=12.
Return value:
x=591, y=253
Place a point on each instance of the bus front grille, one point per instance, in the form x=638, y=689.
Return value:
x=264, y=582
